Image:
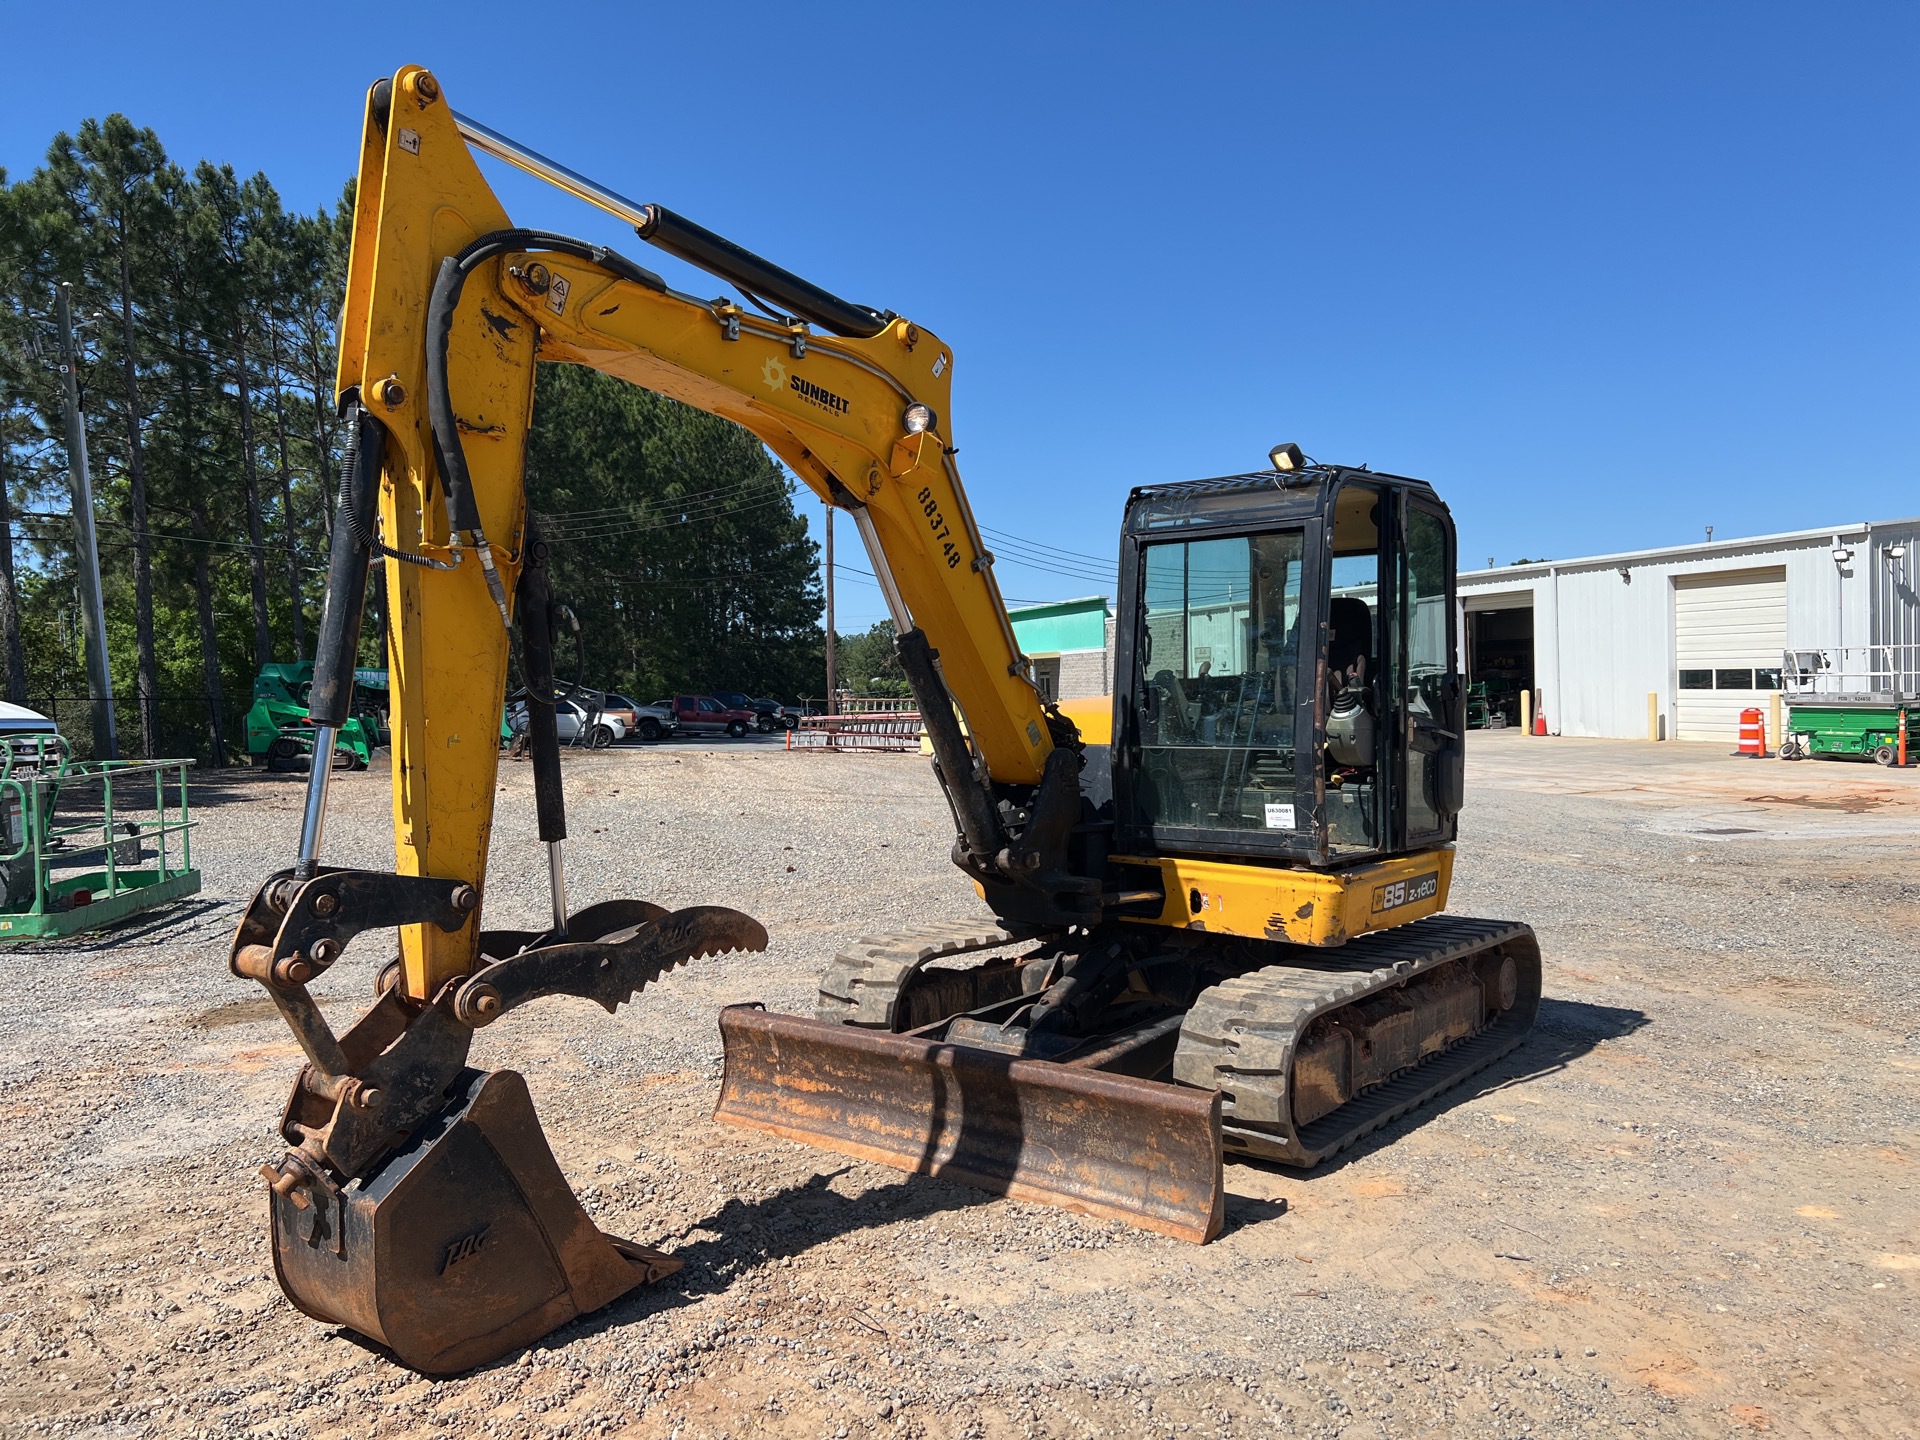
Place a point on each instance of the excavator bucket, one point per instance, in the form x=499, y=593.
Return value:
x=1106, y=1145
x=462, y=1247
x=420, y=1204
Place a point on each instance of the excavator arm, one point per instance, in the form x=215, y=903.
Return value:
x=449, y=308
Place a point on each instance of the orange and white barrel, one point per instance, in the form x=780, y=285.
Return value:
x=1753, y=733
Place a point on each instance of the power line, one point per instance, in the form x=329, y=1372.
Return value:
x=43, y=517
x=731, y=486
x=714, y=511
x=1040, y=545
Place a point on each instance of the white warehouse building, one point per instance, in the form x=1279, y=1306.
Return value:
x=1701, y=628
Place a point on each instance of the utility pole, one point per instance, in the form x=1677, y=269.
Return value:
x=833, y=639
x=106, y=745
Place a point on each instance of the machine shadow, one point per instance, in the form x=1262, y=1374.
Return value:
x=743, y=1235
x=1564, y=1031
x=141, y=925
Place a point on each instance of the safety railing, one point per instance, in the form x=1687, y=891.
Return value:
x=1870, y=674
x=81, y=845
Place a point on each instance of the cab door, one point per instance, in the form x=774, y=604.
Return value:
x=1431, y=699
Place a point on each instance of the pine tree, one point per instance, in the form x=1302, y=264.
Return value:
x=102, y=184
x=674, y=537
x=236, y=214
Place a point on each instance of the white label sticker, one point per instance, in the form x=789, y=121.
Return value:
x=410, y=141
x=1279, y=817
x=940, y=367
x=557, y=295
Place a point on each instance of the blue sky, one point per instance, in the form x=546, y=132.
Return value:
x=1604, y=273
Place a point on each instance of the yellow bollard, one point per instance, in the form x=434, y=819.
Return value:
x=1653, y=714
x=1774, y=732
x=1526, y=712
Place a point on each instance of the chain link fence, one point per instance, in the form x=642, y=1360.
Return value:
x=185, y=725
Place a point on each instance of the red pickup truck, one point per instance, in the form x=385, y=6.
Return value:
x=704, y=715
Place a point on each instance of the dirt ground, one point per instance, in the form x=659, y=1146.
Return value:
x=1687, y=1205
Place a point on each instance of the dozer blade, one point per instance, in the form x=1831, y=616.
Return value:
x=463, y=1246
x=1107, y=1145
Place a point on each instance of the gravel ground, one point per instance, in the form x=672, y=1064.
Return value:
x=1685, y=1206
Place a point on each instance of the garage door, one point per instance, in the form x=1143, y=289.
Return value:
x=1729, y=630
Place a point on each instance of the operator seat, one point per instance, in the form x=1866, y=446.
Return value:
x=1349, y=637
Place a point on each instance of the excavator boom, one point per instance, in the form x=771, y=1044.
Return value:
x=403, y=1163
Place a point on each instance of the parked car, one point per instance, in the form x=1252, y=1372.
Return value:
x=783, y=716
x=573, y=719
x=649, y=722
x=705, y=715
x=18, y=720
x=766, y=714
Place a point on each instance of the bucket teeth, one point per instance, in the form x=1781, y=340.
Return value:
x=596, y=922
x=610, y=969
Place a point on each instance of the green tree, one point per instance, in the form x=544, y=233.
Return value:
x=237, y=216
x=867, y=664
x=674, y=537
x=105, y=219
x=186, y=309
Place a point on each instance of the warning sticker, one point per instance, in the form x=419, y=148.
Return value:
x=557, y=295
x=1279, y=817
x=410, y=141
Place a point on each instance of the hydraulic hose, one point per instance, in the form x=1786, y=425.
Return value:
x=463, y=515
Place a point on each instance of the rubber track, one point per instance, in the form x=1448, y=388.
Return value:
x=1240, y=1036
x=863, y=984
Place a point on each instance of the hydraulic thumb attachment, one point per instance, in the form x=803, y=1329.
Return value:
x=418, y=1202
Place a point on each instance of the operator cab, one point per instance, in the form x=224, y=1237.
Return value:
x=1285, y=681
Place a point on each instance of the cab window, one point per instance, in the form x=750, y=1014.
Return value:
x=1219, y=645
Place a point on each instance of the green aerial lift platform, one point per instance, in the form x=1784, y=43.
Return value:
x=84, y=844
x=1852, y=701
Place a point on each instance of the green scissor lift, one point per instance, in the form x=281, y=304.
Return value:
x=86, y=843
x=1851, y=702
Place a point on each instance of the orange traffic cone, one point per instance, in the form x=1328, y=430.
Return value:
x=1539, y=722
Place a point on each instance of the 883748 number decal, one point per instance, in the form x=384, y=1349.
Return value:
x=937, y=522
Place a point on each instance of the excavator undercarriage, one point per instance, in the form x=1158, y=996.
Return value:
x=1202, y=1046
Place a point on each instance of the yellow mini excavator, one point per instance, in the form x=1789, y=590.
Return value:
x=1215, y=898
